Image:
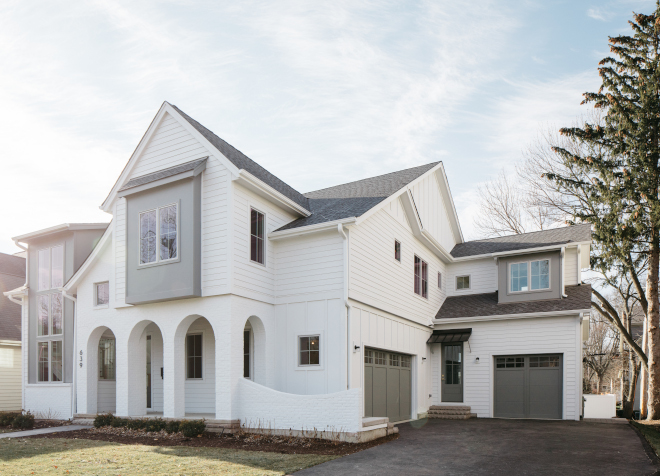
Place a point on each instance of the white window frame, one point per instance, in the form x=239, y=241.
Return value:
x=421, y=277
x=249, y=243
x=49, y=343
x=159, y=261
x=50, y=266
x=529, y=277
x=49, y=335
x=318, y=366
x=400, y=251
x=469, y=276
x=95, y=295
x=250, y=354
x=115, y=364
x=191, y=379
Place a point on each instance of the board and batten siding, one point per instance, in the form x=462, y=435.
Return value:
x=432, y=210
x=172, y=144
x=548, y=335
x=483, y=276
x=377, y=279
x=200, y=393
x=119, y=244
x=374, y=328
x=252, y=279
x=10, y=377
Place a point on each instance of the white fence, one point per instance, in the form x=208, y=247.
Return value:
x=600, y=406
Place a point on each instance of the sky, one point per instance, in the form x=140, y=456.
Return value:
x=319, y=93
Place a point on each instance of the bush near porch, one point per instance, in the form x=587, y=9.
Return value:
x=189, y=428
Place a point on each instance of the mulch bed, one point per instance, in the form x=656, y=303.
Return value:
x=38, y=424
x=245, y=441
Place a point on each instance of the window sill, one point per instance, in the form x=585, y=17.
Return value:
x=48, y=384
x=309, y=367
x=514, y=293
x=258, y=264
x=158, y=263
x=103, y=306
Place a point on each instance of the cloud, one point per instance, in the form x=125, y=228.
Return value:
x=599, y=14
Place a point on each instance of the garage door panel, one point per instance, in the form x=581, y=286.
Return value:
x=387, y=385
x=405, y=393
x=368, y=389
x=510, y=394
x=380, y=391
x=544, y=393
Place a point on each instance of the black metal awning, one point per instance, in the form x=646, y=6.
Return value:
x=449, y=335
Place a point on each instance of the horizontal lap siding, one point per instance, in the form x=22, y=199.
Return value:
x=483, y=277
x=379, y=280
x=200, y=394
x=10, y=377
x=510, y=337
x=171, y=145
x=107, y=396
x=432, y=210
x=571, y=266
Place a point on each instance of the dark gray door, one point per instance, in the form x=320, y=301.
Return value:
x=528, y=386
x=452, y=372
x=387, y=385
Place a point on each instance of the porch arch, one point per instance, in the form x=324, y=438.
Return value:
x=257, y=350
x=93, y=373
x=144, y=335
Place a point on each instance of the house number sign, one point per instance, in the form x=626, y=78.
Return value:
x=81, y=358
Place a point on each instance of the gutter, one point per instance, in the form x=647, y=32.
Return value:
x=527, y=315
x=304, y=230
x=74, y=376
x=24, y=369
x=340, y=229
x=563, y=273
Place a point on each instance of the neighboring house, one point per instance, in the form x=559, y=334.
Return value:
x=12, y=275
x=48, y=338
x=220, y=291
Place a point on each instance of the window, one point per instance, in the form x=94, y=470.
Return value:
x=107, y=359
x=49, y=361
x=538, y=271
x=369, y=357
x=462, y=282
x=380, y=358
x=194, y=355
x=44, y=307
x=405, y=361
x=421, y=277
x=544, y=361
x=49, y=315
x=55, y=314
x=394, y=360
x=246, y=354
x=256, y=236
x=101, y=294
x=397, y=251
x=309, y=350
x=51, y=268
x=439, y=280
x=159, y=235
x=510, y=362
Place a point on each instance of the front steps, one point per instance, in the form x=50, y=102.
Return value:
x=451, y=412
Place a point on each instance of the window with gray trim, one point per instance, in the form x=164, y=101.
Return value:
x=49, y=361
x=529, y=276
x=159, y=236
x=50, y=316
x=309, y=350
x=51, y=268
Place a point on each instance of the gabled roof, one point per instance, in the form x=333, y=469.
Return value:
x=478, y=305
x=355, y=198
x=60, y=228
x=538, y=239
x=242, y=161
x=162, y=174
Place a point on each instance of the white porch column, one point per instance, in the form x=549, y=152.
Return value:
x=224, y=381
x=121, y=373
x=174, y=379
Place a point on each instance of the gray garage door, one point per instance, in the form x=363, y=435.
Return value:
x=528, y=386
x=387, y=385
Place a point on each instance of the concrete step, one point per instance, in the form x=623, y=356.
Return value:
x=373, y=421
x=449, y=412
x=450, y=407
x=465, y=416
x=83, y=421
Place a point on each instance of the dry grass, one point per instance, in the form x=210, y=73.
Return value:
x=20, y=456
x=651, y=431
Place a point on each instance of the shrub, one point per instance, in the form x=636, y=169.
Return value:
x=103, y=420
x=155, y=425
x=119, y=422
x=172, y=426
x=7, y=417
x=23, y=421
x=192, y=428
x=137, y=424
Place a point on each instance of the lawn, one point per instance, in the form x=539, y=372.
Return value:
x=650, y=431
x=20, y=456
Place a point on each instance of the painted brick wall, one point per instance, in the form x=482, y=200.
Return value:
x=53, y=401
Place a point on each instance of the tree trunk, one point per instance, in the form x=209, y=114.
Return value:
x=653, y=332
x=628, y=403
x=642, y=378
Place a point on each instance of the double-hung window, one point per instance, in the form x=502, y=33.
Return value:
x=462, y=282
x=194, y=356
x=257, y=236
x=50, y=314
x=421, y=277
x=397, y=250
x=159, y=235
x=530, y=276
x=309, y=351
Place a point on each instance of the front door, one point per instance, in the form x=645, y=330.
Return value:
x=452, y=372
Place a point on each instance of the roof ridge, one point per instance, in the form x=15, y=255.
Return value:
x=372, y=177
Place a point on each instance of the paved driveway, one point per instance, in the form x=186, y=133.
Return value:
x=500, y=447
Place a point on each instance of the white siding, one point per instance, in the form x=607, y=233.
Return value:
x=377, y=279
x=107, y=396
x=432, y=210
x=483, y=276
x=252, y=279
x=119, y=243
x=395, y=208
x=377, y=329
x=570, y=267
x=10, y=377
x=509, y=337
x=200, y=393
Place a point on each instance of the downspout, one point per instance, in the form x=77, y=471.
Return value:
x=340, y=229
x=563, y=284
x=24, y=362
x=74, y=393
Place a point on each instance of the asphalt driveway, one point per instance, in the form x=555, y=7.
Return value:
x=500, y=447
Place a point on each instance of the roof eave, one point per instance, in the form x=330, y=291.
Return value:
x=304, y=230
x=60, y=228
x=523, y=251
x=249, y=181
x=526, y=315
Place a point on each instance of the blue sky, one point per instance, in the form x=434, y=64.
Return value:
x=319, y=93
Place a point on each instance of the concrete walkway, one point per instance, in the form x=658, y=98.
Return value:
x=500, y=447
x=43, y=431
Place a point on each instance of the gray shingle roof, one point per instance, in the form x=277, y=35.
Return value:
x=556, y=236
x=242, y=161
x=12, y=276
x=355, y=198
x=474, y=305
x=161, y=174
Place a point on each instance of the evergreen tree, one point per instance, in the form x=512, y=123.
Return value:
x=621, y=171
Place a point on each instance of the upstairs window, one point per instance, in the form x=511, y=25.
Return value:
x=397, y=251
x=49, y=315
x=462, y=282
x=439, y=280
x=51, y=268
x=257, y=236
x=530, y=276
x=159, y=235
x=101, y=294
x=421, y=277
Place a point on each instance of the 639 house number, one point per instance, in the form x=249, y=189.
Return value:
x=81, y=359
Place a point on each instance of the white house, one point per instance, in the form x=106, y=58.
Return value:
x=218, y=290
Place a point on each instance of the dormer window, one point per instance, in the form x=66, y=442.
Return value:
x=530, y=276
x=159, y=235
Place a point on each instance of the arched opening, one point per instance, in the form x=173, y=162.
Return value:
x=106, y=395
x=145, y=370
x=254, y=350
x=199, y=351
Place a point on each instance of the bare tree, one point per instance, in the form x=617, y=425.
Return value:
x=601, y=349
